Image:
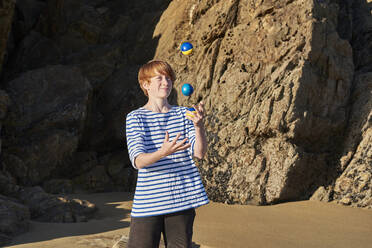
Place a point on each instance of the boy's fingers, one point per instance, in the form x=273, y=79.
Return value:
x=183, y=147
x=201, y=107
x=175, y=139
x=195, y=118
x=181, y=142
x=196, y=110
x=166, y=138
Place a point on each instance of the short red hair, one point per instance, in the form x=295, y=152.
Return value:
x=149, y=70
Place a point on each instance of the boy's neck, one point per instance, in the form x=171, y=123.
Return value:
x=158, y=105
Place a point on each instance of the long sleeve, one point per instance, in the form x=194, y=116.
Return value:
x=135, y=137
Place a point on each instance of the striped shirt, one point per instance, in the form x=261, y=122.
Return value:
x=172, y=183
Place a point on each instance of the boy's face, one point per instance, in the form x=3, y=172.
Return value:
x=160, y=86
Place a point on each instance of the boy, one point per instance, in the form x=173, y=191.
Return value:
x=162, y=141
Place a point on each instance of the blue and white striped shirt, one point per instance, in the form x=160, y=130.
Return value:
x=173, y=183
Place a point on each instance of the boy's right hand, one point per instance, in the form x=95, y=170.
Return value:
x=170, y=147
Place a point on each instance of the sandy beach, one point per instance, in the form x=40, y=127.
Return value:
x=296, y=224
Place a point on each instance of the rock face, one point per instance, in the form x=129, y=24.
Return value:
x=276, y=78
x=286, y=84
x=25, y=203
x=101, y=41
x=43, y=127
x=354, y=186
x=14, y=218
x=68, y=82
x=48, y=208
x=6, y=17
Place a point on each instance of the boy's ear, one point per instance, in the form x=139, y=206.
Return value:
x=146, y=84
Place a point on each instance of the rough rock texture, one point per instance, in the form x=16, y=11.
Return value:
x=270, y=75
x=6, y=17
x=24, y=203
x=277, y=73
x=14, y=218
x=354, y=186
x=103, y=41
x=106, y=173
x=69, y=80
x=49, y=208
x=44, y=127
x=56, y=186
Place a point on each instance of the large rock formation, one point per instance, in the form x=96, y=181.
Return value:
x=354, y=186
x=43, y=127
x=276, y=78
x=14, y=218
x=19, y=204
x=286, y=84
x=101, y=40
x=279, y=74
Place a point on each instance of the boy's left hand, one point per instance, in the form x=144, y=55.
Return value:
x=198, y=116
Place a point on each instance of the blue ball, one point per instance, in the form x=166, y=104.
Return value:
x=187, y=89
x=186, y=48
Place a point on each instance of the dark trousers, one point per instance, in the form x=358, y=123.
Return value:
x=177, y=229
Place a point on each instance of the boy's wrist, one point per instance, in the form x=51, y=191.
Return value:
x=160, y=154
x=199, y=127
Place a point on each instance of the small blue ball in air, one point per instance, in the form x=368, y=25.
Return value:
x=187, y=89
x=186, y=48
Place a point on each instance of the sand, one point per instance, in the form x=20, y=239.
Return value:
x=296, y=224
